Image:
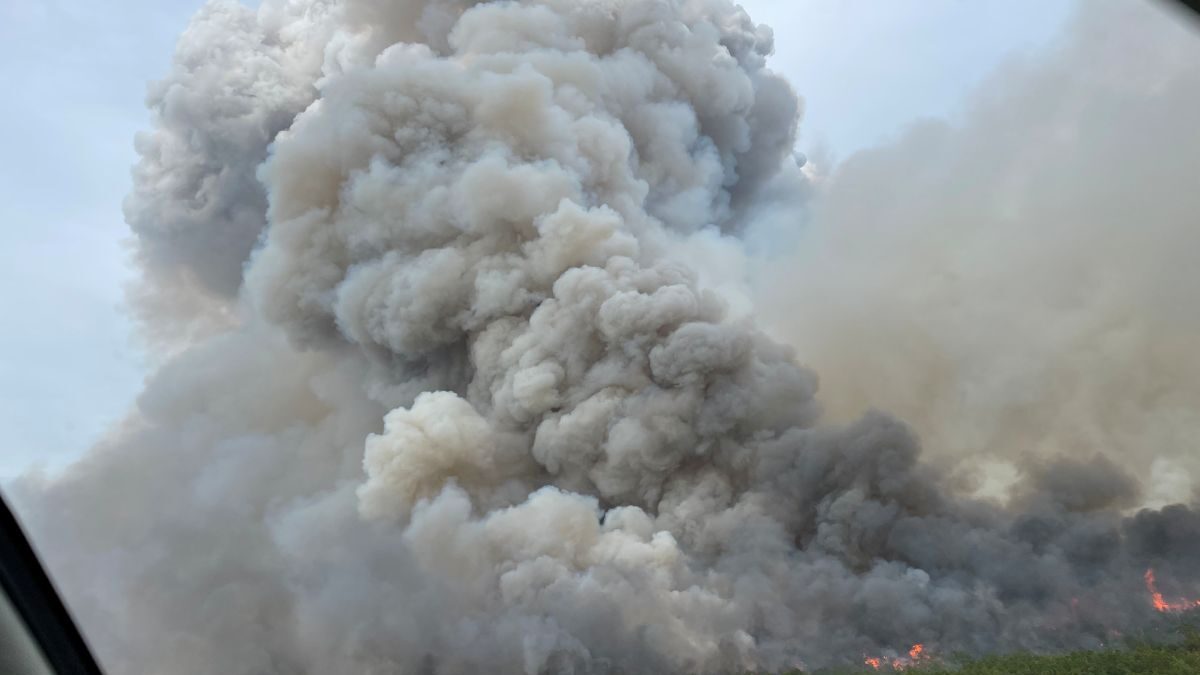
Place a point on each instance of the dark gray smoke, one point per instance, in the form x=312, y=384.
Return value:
x=470, y=404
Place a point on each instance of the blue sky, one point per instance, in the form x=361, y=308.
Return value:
x=75, y=74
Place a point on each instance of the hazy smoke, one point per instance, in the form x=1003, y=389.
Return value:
x=1023, y=282
x=476, y=407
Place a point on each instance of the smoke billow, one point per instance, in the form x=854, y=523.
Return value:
x=472, y=404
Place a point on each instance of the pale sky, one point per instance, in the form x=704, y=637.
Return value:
x=75, y=74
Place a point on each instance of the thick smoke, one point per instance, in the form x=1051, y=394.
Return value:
x=472, y=408
x=1023, y=282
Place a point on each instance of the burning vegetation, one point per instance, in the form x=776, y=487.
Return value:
x=916, y=655
x=1161, y=604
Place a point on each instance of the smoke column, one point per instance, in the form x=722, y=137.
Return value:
x=452, y=389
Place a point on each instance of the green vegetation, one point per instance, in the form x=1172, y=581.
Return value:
x=1180, y=657
x=1146, y=659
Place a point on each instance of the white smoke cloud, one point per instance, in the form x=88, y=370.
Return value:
x=475, y=404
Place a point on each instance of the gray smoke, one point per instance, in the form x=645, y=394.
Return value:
x=473, y=402
x=1023, y=282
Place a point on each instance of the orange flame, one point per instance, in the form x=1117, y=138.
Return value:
x=1160, y=603
x=915, y=654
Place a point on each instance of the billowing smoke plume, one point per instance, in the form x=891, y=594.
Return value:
x=471, y=406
